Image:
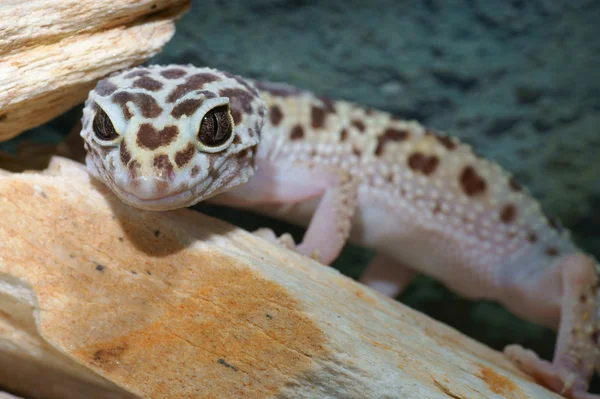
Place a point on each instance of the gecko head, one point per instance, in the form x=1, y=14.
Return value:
x=166, y=137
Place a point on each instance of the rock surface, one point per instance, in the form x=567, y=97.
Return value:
x=98, y=299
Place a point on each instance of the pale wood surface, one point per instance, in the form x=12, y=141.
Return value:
x=98, y=299
x=53, y=52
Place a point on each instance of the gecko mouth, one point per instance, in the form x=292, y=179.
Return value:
x=174, y=200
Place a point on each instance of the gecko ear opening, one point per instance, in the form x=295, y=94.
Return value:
x=216, y=129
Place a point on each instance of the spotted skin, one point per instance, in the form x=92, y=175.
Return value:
x=424, y=201
x=156, y=162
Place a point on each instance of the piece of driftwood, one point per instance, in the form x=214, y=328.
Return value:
x=98, y=299
x=53, y=52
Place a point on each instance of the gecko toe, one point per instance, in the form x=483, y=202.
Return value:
x=558, y=379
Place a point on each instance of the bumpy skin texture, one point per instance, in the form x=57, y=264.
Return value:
x=425, y=202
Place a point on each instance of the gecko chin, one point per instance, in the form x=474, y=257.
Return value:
x=167, y=202
x=156, y=194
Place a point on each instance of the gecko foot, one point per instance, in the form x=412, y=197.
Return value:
x=286, y=240
x=559, y=379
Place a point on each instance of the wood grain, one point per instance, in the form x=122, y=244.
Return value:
x=98, y=299
x=53, y=52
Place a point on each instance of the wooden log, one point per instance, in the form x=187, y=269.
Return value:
x=53, y=52
x=98, y=299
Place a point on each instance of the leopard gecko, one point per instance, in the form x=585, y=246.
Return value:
x=165, y=137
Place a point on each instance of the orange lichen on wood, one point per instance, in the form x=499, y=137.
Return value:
x=500, y=384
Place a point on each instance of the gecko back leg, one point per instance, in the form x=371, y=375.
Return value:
x=387, y=275
x=577, y=350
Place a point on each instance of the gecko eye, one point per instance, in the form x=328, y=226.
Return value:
x=103, y=127
x=216, y=127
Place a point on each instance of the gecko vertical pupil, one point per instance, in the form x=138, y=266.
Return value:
x=103, y=127
x=215, y=128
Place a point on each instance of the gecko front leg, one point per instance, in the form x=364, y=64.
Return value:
x=330, y=224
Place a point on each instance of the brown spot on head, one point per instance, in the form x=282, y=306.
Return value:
x=508, y=213
x=163, y=165
x=532, y=237
x=471, y=183
x=184, y=156
x=423, y=163
x=173, y=73
x=297, y=133
x=236, y=114
x=275, y=115
x=243, y=153
x=552, y=251
x=359, y=125
x=186, y=107
x=144, y=102
x=238, y=98
x=389, y=134
x=194, y=172
x=514, y=185
x=105, y=88
x=194, y=82
x=151, y=138
x=135, y=74
x=317, y=115
x=124, y=153
x=147, y=83
x=344, y=135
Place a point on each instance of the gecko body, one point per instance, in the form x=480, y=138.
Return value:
x=164, y=137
